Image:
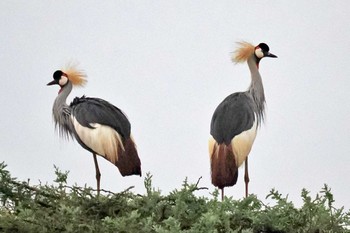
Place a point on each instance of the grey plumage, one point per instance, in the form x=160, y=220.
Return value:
x=97, y=125
x=256, y=89
x=61, y=113
x=234, y=115
x=235, y=121
x=238, y=111
x=87, y=110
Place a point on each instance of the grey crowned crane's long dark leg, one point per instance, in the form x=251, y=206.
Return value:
x=246, y=177
x=222, y=194
x=98, y=174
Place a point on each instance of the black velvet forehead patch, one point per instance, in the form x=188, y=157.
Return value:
x=264, y=47
x=57, y=75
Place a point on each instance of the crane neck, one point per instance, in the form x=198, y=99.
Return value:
x=61, y=112
x=253, y=64
x=256, y=88
x=63, y=94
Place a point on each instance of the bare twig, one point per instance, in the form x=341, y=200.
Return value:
x=31, y=188
x=112, y=193
x=199, y=188
x=128, y=189
x=199, y=179
x=101, y=190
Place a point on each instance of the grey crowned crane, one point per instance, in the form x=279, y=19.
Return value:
x=97, y=125
x=235, y=122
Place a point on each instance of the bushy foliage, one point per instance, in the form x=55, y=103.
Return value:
x=62, y=208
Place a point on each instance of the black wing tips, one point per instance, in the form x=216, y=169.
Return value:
x=224, y=171
x=128, y=161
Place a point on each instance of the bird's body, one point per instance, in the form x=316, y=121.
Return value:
x=97, y=125
x=235, y=122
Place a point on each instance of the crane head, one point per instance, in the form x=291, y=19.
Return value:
x=71, y=74
x=59, y=78
x=262, y=50
x=245, y=50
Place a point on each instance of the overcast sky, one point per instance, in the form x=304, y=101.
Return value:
x=167, y=65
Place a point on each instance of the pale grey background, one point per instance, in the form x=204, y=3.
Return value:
x=167, y=65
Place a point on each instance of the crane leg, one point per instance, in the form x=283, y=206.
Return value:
x=98, y=174
x=222, y=194
x=246, y=177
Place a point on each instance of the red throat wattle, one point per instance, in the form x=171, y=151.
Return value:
x=59, y=92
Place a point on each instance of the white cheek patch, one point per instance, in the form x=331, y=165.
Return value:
x=63, y=80
x=259, y=53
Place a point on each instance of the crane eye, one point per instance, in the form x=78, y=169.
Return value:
x=63, y=80
x=259, y=53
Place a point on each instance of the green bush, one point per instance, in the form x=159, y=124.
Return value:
x=62, y=208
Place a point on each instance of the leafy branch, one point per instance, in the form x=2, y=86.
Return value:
x=63, y=208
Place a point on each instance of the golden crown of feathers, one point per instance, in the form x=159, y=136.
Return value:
x=243, y=52
x=76, y=76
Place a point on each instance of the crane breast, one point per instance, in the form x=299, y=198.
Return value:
x=102, y=139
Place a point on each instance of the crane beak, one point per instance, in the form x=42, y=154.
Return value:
x=53, y=82
x=270, y=55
